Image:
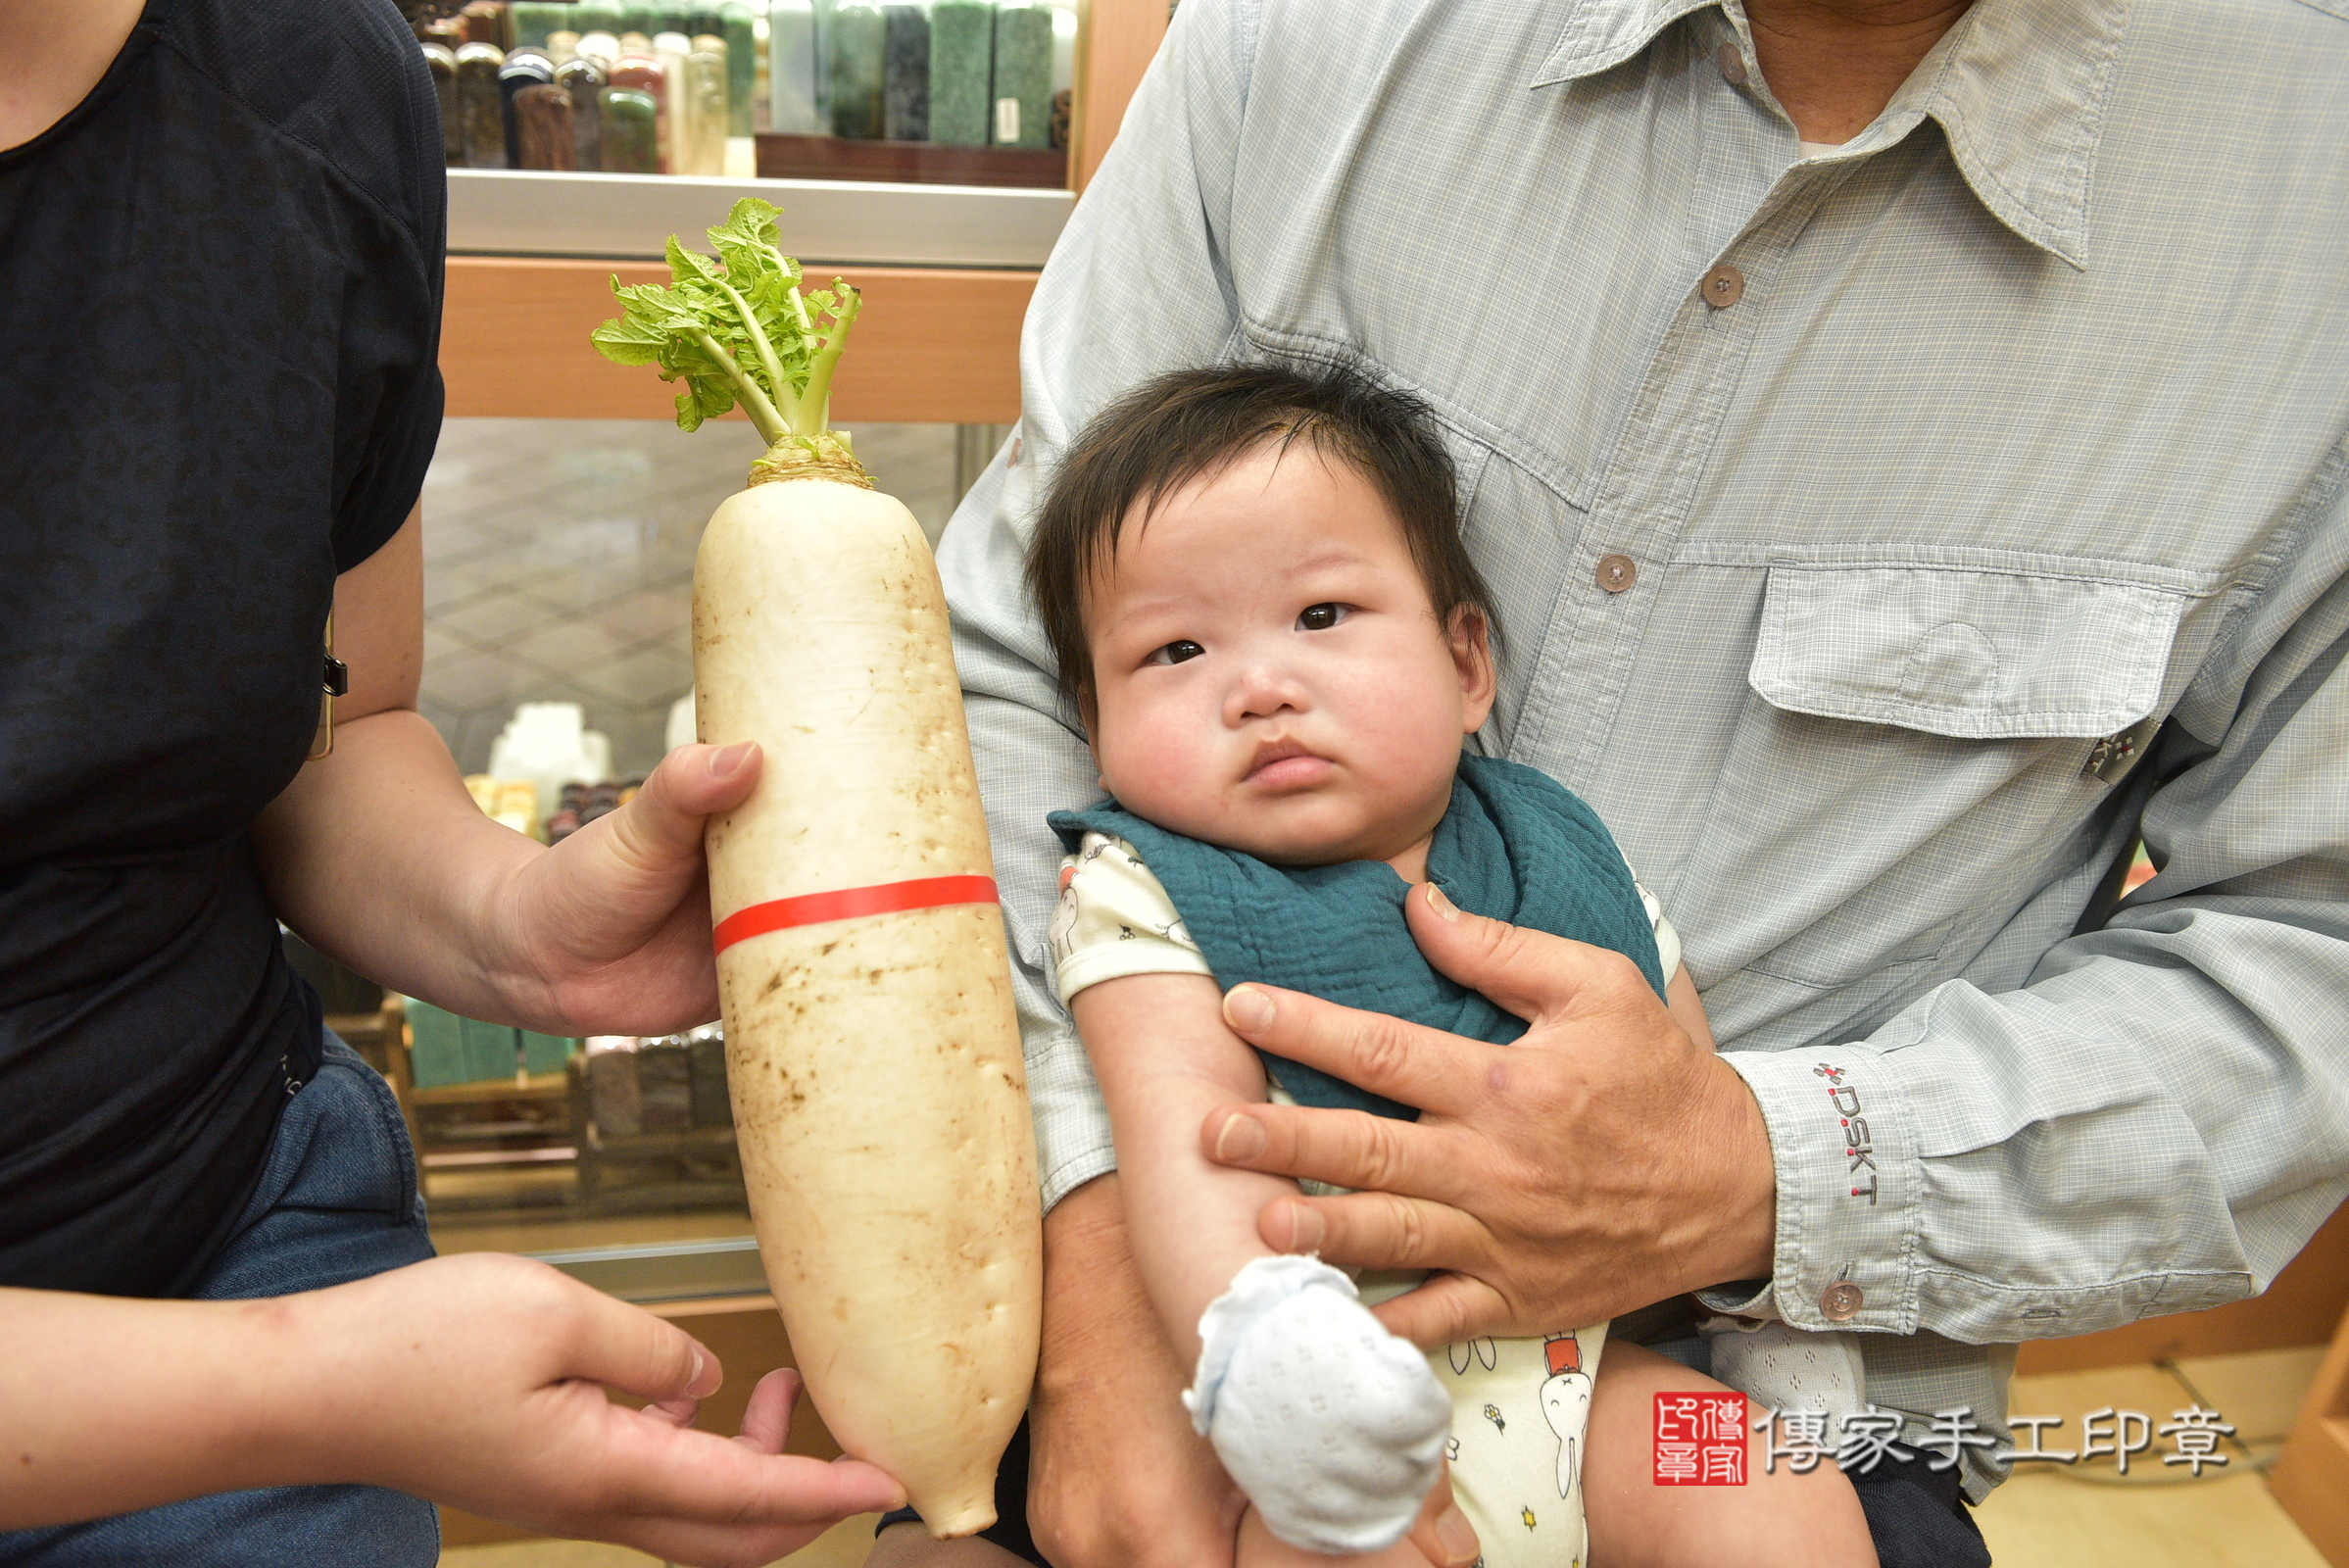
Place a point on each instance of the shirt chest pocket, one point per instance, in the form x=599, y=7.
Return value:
x=1969, y=654
x=1923, y=747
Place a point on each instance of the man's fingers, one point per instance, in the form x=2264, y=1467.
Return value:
x=1343, y=1147
x=1448, y=1309
x=1417, y=1065
x=1529, y=973
x=1375, y=1230
x=1442, y=1533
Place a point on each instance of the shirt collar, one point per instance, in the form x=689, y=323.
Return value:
x=2018, y=86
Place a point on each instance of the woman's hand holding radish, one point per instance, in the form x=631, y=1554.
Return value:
x=608, y=932
x=481, y=1381
x=476, y=1381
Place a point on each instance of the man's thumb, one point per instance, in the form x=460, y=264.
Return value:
x=1528, y=972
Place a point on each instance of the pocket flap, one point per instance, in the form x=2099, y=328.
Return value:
x=1967, y=652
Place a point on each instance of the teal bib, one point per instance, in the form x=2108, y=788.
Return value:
x=1515, y=845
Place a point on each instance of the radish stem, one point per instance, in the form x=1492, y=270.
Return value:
x=753, y=401
x=766, y=350
x=813, y=415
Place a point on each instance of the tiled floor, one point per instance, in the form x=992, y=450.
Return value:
x=558, y=563
x=2086, y=1516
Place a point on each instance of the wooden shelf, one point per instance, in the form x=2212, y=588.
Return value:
x=941, y=343
x=824, y=222
x=936, y=345
x=910, y=163
x=1116, y=40
x=487, y=1090
x=662, y=1146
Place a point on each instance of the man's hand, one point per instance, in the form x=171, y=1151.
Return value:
x=609, y=931
x=1602, y=1162
x=1116, y=1477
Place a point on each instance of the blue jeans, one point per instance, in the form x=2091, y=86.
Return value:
x=337, y=1201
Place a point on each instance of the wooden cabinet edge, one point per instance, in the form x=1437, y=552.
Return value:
x=1116, y=40
x=937, y=345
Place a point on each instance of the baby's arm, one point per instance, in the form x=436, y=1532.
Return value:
x=1680, y=1001
x=1680, y=992
x=1331, y=1426
x=1165, y=1059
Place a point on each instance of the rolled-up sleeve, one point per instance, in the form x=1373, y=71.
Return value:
x=2159, y=1119
x=1136, y=285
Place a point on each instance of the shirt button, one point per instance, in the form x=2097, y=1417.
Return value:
x=1733, y=65
x=1723, y=286
x=1841, y=1301
x=1617, y=572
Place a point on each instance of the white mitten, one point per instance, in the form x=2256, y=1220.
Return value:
x=1331, y=1425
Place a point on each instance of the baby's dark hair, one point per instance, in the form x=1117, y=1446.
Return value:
x=1189, y=424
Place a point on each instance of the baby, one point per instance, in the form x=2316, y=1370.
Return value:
x=1255, y=586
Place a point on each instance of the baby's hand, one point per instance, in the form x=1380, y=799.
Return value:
x=1331, y=1426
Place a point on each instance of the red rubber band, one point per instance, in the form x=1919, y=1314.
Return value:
x=814, y=909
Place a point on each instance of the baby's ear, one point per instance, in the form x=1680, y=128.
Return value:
x=1089, y=708
x=1471, y=638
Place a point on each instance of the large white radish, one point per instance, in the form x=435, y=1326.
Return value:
x=880, y=1103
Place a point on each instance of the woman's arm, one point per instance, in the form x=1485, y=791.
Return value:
x=1164, y=1058
x=476, y=1381
x=378, y=857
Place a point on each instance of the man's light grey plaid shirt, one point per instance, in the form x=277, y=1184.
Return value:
x=1992, y=505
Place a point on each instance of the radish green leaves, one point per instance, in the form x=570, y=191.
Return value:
x=735, y=328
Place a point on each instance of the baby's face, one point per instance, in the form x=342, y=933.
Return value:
x=1269, y=674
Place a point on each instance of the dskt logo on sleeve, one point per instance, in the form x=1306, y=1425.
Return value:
x=1852, y=1128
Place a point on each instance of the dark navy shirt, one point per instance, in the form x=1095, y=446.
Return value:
x=222, y=280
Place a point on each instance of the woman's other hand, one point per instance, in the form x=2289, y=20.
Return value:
x=476, y=1381
x=479, y=1381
